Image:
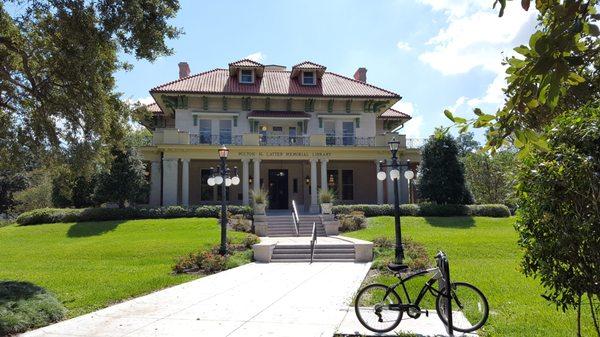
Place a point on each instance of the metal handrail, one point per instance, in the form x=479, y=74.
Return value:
x=295, y=217
x=313, y=241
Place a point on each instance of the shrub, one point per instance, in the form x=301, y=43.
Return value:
x=326, y=196
x=383, y=242
x=250, y=240
x=53, y=215
x=425, y=209
x=239, y=223
x=185, y=263
x=350, y=222
x=25, y=306
x=415, y=254
x=211, y=262
x=261, y=197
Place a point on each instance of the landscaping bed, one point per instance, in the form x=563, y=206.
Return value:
x=426, y=209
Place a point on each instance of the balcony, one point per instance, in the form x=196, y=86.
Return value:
x=204, y=139
x=174, y=136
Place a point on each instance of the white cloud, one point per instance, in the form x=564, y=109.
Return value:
x=493, y=93
x=412, y=128
x=145, y=100
x=257, y=57
x=456, y=8
x=403, y=46
x=459, y=102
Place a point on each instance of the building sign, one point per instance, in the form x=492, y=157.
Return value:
x=284, y=154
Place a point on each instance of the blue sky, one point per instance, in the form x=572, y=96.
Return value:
x=436, y=54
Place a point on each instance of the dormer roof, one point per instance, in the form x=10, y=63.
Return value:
x=307, y=65
x=246, y=64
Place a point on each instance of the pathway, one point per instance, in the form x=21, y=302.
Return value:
x=283, y=299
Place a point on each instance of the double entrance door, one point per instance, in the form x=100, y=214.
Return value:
x=278, y=189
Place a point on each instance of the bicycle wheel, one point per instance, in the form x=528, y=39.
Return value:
x=376, y=307
x=470, y=308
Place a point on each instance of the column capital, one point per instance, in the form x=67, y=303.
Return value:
x=313, y=160
x=323, y=160
x=185, y=160
x=256, y=160
x=245, y=160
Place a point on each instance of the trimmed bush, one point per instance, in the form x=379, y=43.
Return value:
x=25, y=306
x=426, y=209
x=54, y=215
x=352, y=222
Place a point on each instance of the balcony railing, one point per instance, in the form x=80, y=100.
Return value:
x=349, y=141
x=196, y=139
x=284, y=140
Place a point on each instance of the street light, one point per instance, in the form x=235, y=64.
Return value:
x=395, y=167
x=225, y=177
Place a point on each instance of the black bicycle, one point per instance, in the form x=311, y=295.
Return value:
x=380, y=309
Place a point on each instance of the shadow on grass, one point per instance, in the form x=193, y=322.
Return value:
x=451, y=222
x=85, y=229
x=24, y=306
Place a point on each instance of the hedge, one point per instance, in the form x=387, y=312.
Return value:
x=53, y=215
x=492, y=210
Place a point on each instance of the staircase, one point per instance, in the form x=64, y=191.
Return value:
x=323, y=253
x=282, y=225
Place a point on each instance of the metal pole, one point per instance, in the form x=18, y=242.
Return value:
x=223, y=249
x=399, y=250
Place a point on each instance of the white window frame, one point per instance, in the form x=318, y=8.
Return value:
x=314, y=78
x=241, y=77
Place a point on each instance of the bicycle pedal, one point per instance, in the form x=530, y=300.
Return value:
x=426, y=312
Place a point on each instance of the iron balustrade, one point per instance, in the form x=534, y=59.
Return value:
x=284, y=140
x=349, y=141
x=313, y=241
x=295, y=217
x=203, y=139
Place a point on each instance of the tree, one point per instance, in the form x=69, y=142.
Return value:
x=558, y=70
x=125, y=181
x=491, y=179
x=38, y=194
x=559, y=210
x=466, y=143
x=62, y=187
x=441, y=178
x=9, y=184
x=57, y=60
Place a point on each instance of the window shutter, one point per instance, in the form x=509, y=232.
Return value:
x=358, y=123
x=320, y=123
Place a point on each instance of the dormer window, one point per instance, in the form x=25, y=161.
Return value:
x=309, y=78
x=246, y=76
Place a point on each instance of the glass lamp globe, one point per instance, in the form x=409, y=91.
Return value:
x=381, y=175
x=218, y=180
x=211, y=181
x=409, y=174
x=235, y=180
x=227, y=181
x=394, y=174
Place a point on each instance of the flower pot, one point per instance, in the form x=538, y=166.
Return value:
x=326, y=208
x=259, y=209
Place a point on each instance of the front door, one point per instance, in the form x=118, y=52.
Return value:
x=278, y=189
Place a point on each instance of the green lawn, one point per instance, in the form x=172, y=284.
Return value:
x=93, y=264
x=484, y=252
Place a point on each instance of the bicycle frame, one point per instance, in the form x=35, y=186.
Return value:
x=428, y=286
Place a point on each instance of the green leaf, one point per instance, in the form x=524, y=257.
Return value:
x=449, y=115
x=576, y=78
x=534, y=103
x=478, y=111
x=523, y=50
x=459, y=120
x=486, y=118
x=534, y=38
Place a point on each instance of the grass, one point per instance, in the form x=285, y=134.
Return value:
x=91, y=265
x=484, y=252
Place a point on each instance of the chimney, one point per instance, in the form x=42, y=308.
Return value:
x=184, y=70
x=361, y=74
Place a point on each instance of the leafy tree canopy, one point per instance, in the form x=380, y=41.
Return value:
x=57, y=60
x=558, y=70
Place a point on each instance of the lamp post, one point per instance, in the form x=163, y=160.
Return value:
x=395, y=167
x=225, y=177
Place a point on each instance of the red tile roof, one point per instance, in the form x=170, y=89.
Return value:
x=245, y=63
x=394, y=114
x=309, y=65
x=278, y=114
x=273, y=83
x=154, y=108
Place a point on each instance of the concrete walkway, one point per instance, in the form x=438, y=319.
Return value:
x=283, y=299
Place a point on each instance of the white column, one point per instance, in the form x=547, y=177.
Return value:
x=185, y=182
x=245, y=184
x=324, y=174
x=314, y=206
x=256, y=174
x=155, y=183
x=170, y=182
x=390, y=187
x=379, y=185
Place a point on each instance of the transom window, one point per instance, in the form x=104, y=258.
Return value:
x=309, y=78
x=246, y=76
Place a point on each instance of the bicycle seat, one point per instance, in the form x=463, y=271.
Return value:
x=397, y=267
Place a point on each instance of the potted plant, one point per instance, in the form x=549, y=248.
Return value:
x=260, y=200
x=326, y=198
